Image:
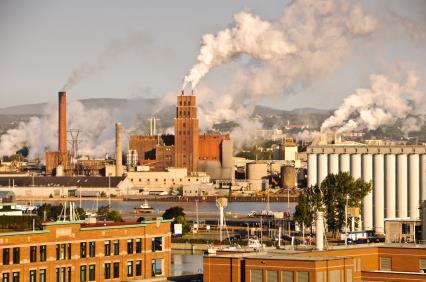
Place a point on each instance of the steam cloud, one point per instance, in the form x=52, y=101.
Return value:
x=310, y=40
x=41, y=133
x=115, y=48
x=385, y=102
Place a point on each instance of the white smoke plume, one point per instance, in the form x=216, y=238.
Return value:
x=308, y=41
x=250, y=35
x=41, y=133
x=386, y=101
x=114, y=49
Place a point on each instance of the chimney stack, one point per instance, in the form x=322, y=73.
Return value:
x=62, y=134
x=118, y=149
x=319, y=231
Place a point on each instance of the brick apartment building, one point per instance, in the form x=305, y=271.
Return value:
x=367, y=263
x=76, y=251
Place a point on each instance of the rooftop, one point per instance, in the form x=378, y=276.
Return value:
x=61, y=181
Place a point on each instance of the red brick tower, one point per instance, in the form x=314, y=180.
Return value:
x=186, y=133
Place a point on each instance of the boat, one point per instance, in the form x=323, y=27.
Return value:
x=144, y=208
x=254, y=244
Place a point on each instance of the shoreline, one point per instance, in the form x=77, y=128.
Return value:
x=260, y=199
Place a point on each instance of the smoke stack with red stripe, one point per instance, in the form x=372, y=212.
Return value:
x=62, y=133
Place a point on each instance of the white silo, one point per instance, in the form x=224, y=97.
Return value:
x=333, y=164
x=367, y=206
x=413, y=186
x=322, y=167
x=344, y=163
x=401, y=186
x=356, y=166
x=423, y=177
x=390, y=186
x=312, y=169
x=255, y=172
x=378, y=193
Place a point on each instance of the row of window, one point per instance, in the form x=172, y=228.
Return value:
x=63, y=251
x=184, y=103
x=88, y=272
x=256, y=275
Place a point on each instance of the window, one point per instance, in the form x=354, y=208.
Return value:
x=57, y=278
x=303, y=276
x=107, y=271
x=138, y=245
x=58, y=252
x=83, y=277
x=422, y=264
x=92, y=272
x=83, y=249
x=116, y=247
x=107, y=248
x=43, y=253
x=157, y=244
x=16, y=259
x=6, y=255
x=287, y=276
x=272, y=276
x=386, y=263
x=256, y=275
x=63, y=251
x=157, y=267
x=60, y=274
x=69, y=251
x=92, y=247
x=33, y=254
x=130, y=246
x=129, y=268
x=116, y=269
x=138, y=266
x=43, y=275
x=69, y=273
x=5, y=277
x=15, y=277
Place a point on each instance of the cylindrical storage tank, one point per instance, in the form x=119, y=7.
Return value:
x=288, y=177
x=413, y=186
x=423, y=178
x=227, y=159
x=390, y=186
x=401, y=186
x=367, y=204
x=379, y=193
x=118, y=149
x=322, y=167
x=333, y=164
x=319, y=231
x=255, y=172
x=356, y=166
x=344, y=163
x=312, y=169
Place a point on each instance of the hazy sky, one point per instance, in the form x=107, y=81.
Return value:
x=144, y=48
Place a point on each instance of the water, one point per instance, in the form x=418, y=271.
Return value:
x=233, y=207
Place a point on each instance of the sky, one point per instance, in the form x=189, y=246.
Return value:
x=143, y=49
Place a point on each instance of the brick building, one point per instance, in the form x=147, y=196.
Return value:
x=358, y=263
x=76, y=251
x=186, y=133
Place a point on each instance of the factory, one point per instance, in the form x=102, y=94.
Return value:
x=397, y=173
x=187, y=148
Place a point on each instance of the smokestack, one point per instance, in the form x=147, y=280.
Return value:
x=118, y=149
x=62, y=133
x=319, y=230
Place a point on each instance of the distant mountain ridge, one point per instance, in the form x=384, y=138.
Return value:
x=111, y=103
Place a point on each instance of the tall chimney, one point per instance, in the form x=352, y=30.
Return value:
x=319, y=231
x=118, y=149
x=62, y=134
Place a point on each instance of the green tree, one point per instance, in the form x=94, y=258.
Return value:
x=178, y=216
x=173, y=213
x=334, y=193
x=105, y=213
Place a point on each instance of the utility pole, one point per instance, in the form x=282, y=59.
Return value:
x=346, y=221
